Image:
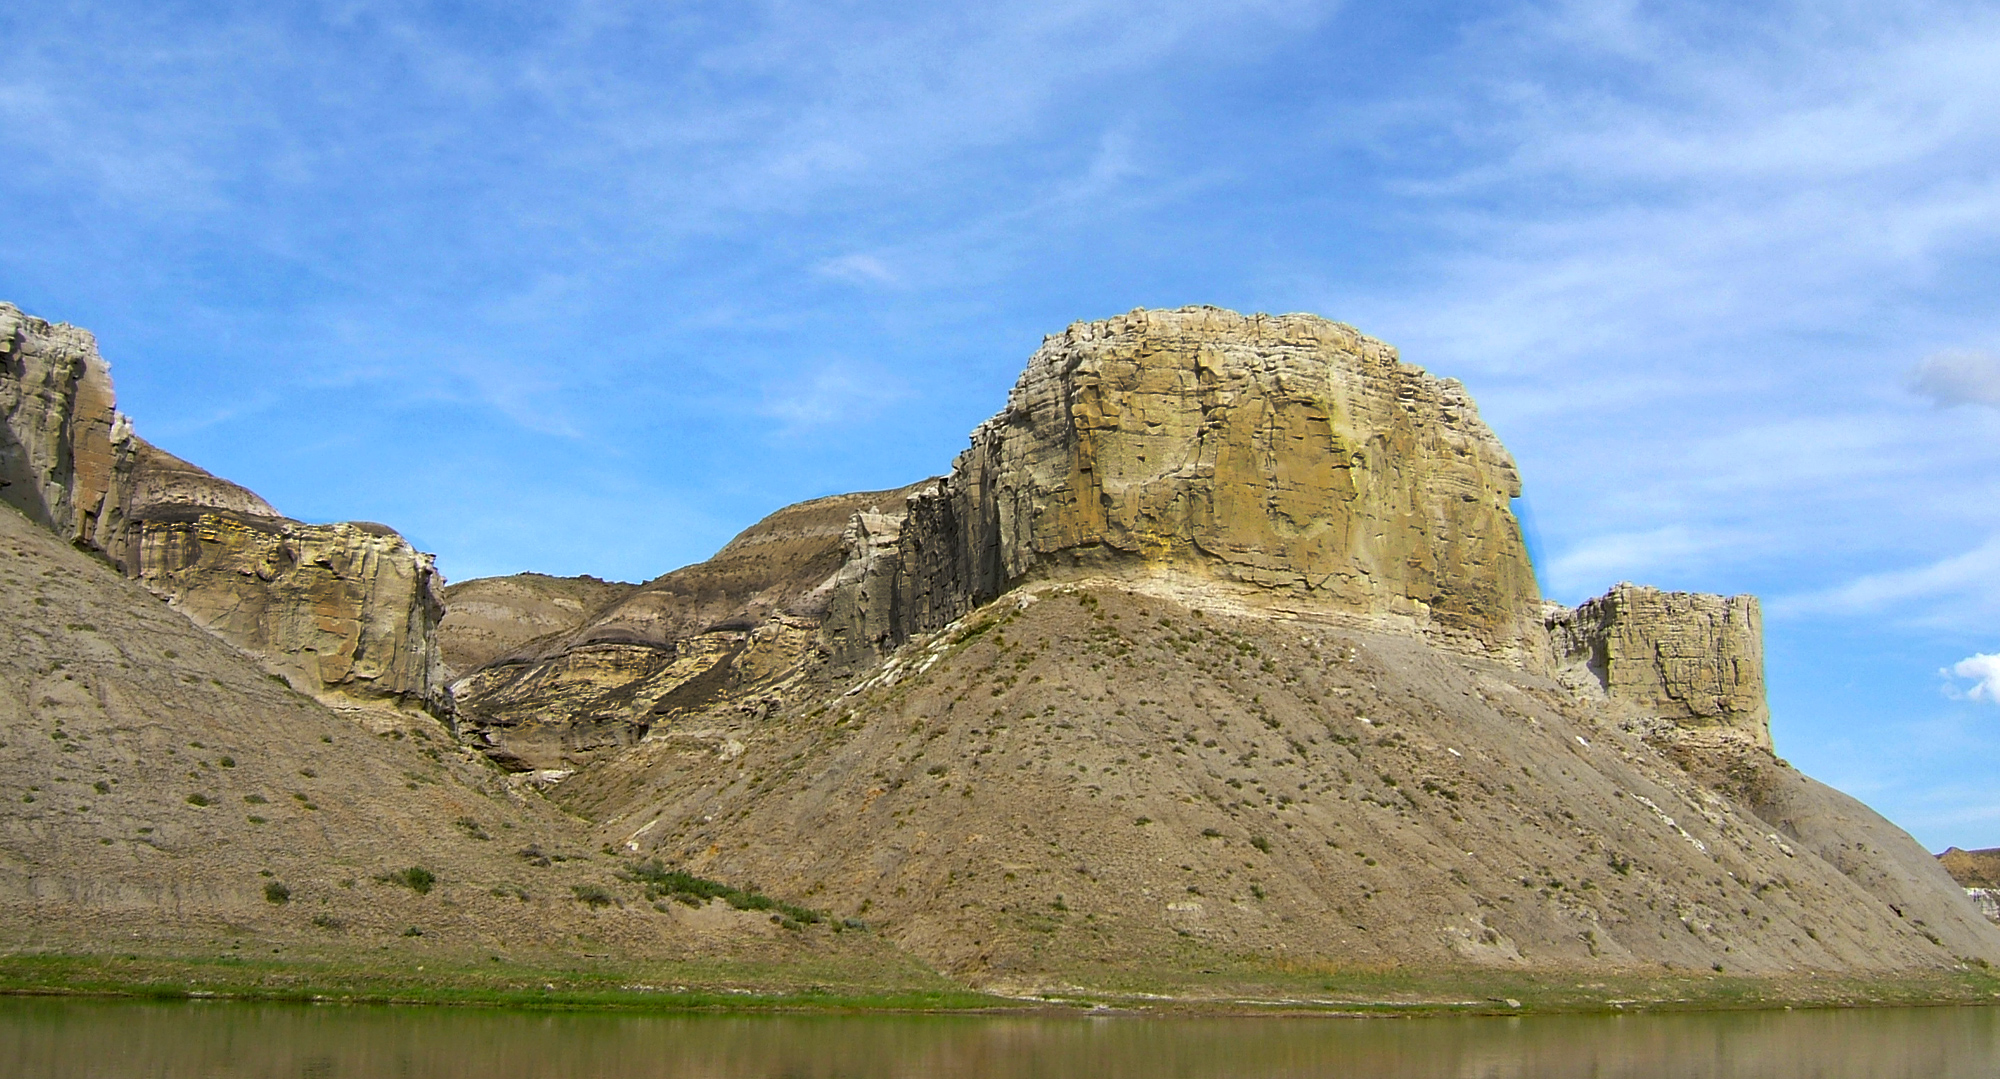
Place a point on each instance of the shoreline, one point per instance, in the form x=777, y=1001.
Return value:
x=751, y=989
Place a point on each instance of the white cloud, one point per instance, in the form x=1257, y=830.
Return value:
x=1656, y=556
x=1962, y=589
x=1958, y=377
x=860, y=269
x=1984, y=671
x=838, y=392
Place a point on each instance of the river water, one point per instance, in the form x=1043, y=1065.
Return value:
x=59, y=1039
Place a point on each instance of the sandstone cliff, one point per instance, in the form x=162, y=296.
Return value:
x=346, y=611
x=164, y=793
x=1286, y=454
x=1694, y=659
x=349, y=610
x=1218, y=647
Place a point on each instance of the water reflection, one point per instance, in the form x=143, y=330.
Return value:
x=102, y=1040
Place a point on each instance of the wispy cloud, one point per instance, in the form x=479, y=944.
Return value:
x=1659, y=556
x=1962, y=590
x=860, y=269
x=1958, y=377
x=833, y=393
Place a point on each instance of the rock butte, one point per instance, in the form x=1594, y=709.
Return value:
x=1219, y=639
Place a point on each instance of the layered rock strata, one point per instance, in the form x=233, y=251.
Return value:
x=730, y=633
x=494, y=617
x=1285, y=454
x=344, y=611
x=1692, y=658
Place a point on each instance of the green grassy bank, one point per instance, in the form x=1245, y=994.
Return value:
x=1244, y=987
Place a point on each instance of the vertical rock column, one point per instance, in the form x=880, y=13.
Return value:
x=1689, y=657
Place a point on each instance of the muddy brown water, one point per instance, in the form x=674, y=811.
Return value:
x=100, y=1040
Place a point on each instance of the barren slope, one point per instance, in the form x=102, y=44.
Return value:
x=156, y=784
x=1086, y=778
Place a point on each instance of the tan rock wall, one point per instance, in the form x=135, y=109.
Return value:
x=1693, y=658
x=64, y=445
x=1284, y=452
x=349, y=609
x=344, y=610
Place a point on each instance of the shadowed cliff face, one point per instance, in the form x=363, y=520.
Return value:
x=347, y=612
x=1289, y=456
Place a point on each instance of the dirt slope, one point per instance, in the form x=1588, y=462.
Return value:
x=157, y=786
x=1088, y=778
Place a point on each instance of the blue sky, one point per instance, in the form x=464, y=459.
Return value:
x=588, y=287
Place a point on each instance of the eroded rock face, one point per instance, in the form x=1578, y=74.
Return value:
x=343, y=611
x=1692, y=658
x=731, y=633
x=64, y=444
x=1287, y=454
x=349, y=609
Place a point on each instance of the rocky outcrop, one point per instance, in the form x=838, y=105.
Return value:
x=1973, y=868
x=344, y=611
x=1692, y=658
x=732, y=632
x=65, y=451
x=1286, y=454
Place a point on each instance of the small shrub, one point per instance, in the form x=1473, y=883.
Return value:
x=471, y=828
x=276, y=892
x=592, y=895
x=413, y=931
x=690, y=890
x=227, y=762
x=1210, y=833
x=416, y=878
x=256, y=799
x=1261, y=843
x=198, y=799
x=101, y=787
x=326, y=921
x=254, y=819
